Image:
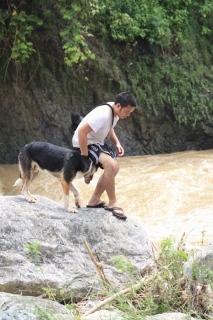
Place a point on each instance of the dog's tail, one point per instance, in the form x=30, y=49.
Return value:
x=18, y=182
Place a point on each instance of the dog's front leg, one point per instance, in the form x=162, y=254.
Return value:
x=66, y=188
x=76, y=195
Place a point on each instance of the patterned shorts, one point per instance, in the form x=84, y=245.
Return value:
x=96, y=149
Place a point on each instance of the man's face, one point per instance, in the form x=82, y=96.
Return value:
x=124, y=112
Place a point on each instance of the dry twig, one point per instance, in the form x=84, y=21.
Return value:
x=97, y=264
x=124, y=291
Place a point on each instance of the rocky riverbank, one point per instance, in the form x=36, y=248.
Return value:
x=43, y=255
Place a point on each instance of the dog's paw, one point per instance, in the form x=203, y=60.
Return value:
x=72, y=210
x=77, y=203
x=28, y=196
x=31, y=199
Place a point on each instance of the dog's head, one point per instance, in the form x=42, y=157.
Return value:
x=88, y=176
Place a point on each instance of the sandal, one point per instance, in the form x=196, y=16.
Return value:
x=100, y=205
x=115, y=213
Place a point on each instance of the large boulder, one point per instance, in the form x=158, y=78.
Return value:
x=19, y=307
x=42, y=248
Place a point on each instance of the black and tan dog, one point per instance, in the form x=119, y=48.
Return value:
x=65, y=164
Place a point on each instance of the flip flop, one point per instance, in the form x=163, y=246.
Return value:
x=115, y=213
x=100, y=205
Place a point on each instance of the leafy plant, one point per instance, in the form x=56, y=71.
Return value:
x=74, y=34
x=21, y=27
x=33, y=251
x=159, y=22
x=50, y=292
x=122, y=263
x=33, y=248
x=16, y=33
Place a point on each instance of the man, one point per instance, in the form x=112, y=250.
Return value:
x=90, y=137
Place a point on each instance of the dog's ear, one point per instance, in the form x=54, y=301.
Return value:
x=76, y=119
x=86, y=163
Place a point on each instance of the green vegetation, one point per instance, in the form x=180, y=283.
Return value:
x=33, y=251
x=122, y=263
x=33, y=248
x=160, y=50
x=159, y=22
x=167, y=288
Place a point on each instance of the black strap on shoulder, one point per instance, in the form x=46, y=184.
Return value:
x=107, y=104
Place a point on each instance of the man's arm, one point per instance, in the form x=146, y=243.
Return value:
x=113, y=137
x=83, y=130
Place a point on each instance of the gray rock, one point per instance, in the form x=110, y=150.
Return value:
x=62, y=261
x=199, y=268
x=104, y=315
x=14, y=307
x=199, y=263
x=116, y=315
x=170, y=316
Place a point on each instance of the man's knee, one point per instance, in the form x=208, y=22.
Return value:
x=109, y=164
x=112, y=167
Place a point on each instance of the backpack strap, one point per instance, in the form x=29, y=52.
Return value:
x=107, y=104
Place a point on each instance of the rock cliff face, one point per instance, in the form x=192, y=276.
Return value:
x=49, y=109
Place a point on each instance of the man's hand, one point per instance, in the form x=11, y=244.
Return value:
x=120, y=149
x=86, y=163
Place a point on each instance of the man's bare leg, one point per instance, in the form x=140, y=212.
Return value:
x=106, y=181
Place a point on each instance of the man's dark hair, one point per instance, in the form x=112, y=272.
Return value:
x=125, y=99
